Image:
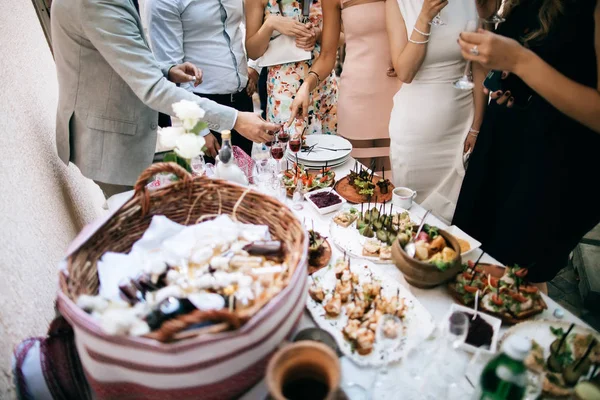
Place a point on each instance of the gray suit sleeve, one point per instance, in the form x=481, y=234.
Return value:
x=113, y=29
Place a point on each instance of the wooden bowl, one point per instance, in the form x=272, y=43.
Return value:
x=424, y=275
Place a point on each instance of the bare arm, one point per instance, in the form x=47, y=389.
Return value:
x=577, y=101
x=330, y=40
x=331, y=37
x=258, y=34
x=408, y=56
x=480, y=100
x=260, y=29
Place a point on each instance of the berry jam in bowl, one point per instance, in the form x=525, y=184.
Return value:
x=325, y=201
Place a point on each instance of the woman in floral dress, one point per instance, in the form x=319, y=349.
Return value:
x=285, y=16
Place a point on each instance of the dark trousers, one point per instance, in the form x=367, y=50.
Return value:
x=164, y=120
x=241, y=102
x=262, y=91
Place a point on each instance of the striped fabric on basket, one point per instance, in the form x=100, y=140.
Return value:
x=217, y=366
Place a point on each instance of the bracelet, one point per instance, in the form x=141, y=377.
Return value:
x=473, y=130
x=422, y=33
x=316, y=76
x=472, y=134
x=417, y=42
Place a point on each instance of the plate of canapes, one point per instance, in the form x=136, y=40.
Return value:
x=368, y=232
x=362, y=185
x=348, y=301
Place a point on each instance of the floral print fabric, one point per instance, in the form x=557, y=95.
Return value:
x=284, y=80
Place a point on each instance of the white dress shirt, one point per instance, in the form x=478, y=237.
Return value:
x=207, y=33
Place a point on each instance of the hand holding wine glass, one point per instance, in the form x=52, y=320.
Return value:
x=493, y=51
x=430, y=11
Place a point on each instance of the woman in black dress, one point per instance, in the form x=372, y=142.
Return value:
x=529, y=194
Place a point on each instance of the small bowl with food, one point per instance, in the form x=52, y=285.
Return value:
x=437, y=257
x=466, y=242
x=325, y=201
x=484, y=330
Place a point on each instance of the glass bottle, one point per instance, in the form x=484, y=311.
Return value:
x=227, y=167
x=505, y=376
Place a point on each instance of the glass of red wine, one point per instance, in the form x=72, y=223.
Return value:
x=283, y=136
x=295, y=144
x=277, y=150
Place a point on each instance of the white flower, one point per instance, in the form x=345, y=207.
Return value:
x=168, y=136
x=189, y=146
x=189, y=113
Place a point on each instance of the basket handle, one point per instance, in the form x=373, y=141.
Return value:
x=140, y=189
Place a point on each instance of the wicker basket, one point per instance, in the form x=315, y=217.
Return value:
x=212, y=365
x=424, y=275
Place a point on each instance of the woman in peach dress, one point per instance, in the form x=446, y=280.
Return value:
x=367, y=84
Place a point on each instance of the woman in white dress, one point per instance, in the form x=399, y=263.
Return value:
x=433, y=124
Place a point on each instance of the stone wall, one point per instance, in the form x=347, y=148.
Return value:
x=43, y=203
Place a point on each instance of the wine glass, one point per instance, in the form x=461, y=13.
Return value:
x=389, y=332
x=260, y=155
x=437, y=21
x=295, y=143
x=497, y=18
x=198, y=165
x=298, y=196
x=457, y=329
x=277, y=150
x=283, y=136
x=466, y=81
x=475, y=366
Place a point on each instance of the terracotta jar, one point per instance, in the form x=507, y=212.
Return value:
x=304, y=369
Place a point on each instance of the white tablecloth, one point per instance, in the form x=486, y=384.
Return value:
x=437, y=300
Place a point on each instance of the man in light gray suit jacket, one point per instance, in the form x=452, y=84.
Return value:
x=111, y=89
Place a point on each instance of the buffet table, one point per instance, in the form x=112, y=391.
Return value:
x=437, y=301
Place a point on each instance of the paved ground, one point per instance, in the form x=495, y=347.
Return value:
x=565, y=287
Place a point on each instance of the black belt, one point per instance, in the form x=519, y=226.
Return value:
x=226, y=98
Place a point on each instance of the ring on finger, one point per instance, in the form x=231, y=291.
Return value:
x=474, y=50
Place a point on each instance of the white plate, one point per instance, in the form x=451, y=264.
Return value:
x=302, y=156
x=350, y=240
x=456, y=231
x=496, y=323
x=317, y=165
x=325, y=210
x=322, y=155
x=541, y=333
x=418, y=323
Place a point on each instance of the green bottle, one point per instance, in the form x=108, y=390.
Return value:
x=505, y=376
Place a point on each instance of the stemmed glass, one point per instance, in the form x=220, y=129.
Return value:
x=389, y=332
x=457, y=329
x=437, y=21
x=497, y=17
x=283, y=136
x=441, y=380
x=198, y=165
x=260, y=155
x=295, y=143
x=466, y=81
x=277, y=150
